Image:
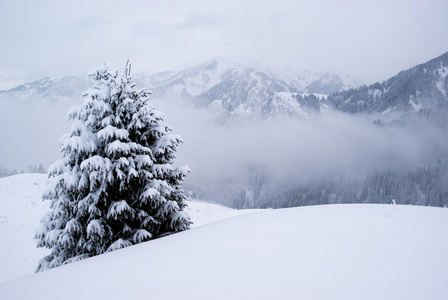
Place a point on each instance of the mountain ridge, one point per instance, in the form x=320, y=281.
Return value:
x=235, y=89
x=217, y=84
x=422, y=87
x=396, y=140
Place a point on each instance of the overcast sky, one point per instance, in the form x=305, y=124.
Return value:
x=370, y=40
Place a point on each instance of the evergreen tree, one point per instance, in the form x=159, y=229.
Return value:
x=115, y=185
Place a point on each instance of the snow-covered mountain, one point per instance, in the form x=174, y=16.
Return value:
x=320, y=82
x=235, y=89
x=48, y=89
x=313, y=154
x=319, y=252
x=218, y=85
x=420, y=89
x=239, y=90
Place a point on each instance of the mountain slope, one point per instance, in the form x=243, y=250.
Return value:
x=49, y=89
x=245, y=91
x=194, y=80
x=217, y=85
x=422, y=87
x=319, y=82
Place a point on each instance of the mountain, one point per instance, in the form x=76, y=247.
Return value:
x=324, y=83
x=241, y=90
x=210, y=79
x=319, y=252
x=48, y=89
x=234, y=89
x=411, y=111
x=371, y=144
x=421, y=88
x=218, y=85
x=413, y=105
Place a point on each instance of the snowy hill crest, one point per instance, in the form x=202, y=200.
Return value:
x=319, y=252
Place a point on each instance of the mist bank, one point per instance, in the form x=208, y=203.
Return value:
x=30, y=131
x=329, y=157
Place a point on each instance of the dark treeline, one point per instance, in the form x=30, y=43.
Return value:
x=423, y=186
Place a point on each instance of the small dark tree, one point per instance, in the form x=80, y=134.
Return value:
x=115, y=185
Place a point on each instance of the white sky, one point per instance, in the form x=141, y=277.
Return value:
x=370, y=40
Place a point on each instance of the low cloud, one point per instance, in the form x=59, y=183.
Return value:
x=294, y=151
x=288, y=150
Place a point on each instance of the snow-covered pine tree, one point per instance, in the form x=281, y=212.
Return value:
x=115, y=185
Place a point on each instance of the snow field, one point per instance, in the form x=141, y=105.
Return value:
x=21, y=208
x=321, y=252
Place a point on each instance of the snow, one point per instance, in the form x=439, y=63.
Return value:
x=440, y=87
x=362, y=251
x=111, y=132
x=415, y=106
x=119, y=244
x=304, y=79
x=95, y=162
x=161, y=169
x=286, y=102
x=21, y=208
x=376, y=93
x=386, y=111
x=118, y=146
x=289, y=103
x=195, y=80
x=118, y=208
x=443, y=71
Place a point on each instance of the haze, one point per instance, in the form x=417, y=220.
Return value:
x=369, y=40
x=294, y=150
x=289, y=148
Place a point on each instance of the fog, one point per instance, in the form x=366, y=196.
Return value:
x=229, y=153
x=30, y=132
x=294, y=150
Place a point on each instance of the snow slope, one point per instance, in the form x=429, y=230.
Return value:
x=319, y=252
x=21, y=208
